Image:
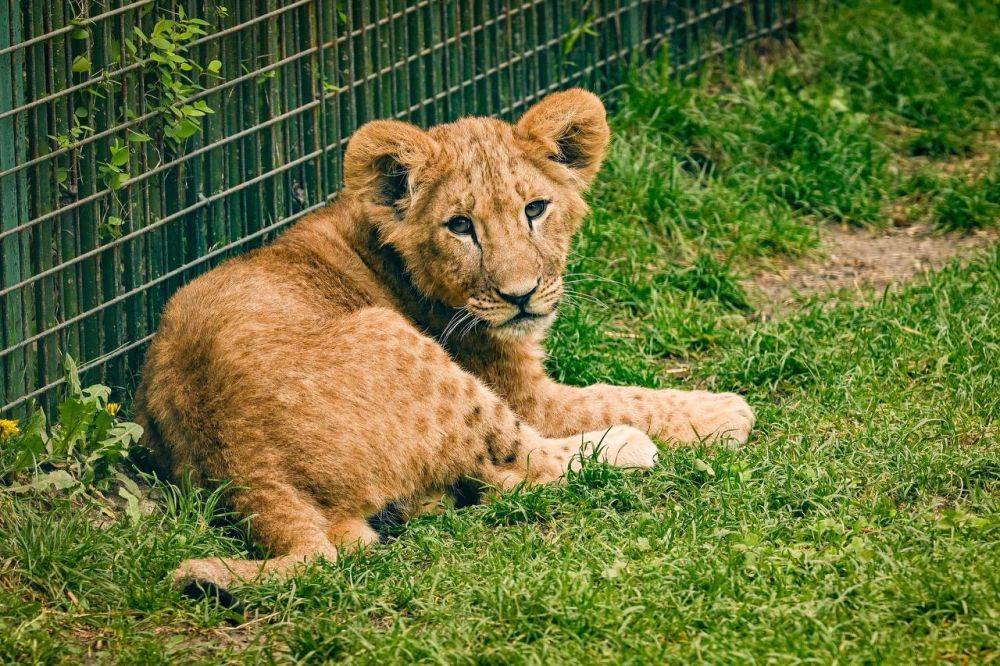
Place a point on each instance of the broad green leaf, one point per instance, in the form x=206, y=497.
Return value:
x=72, y=374
x=100, y=426
x=116, y=180
x=704, y=466
x=58, y=479
x=119, y=155
x=129, y=483
x=31, y=443
x=123, y=434
x=183, y=130
x=161, y=43
x=75, y=417
x=97, y=394
x=81, y=64
x=131, y=505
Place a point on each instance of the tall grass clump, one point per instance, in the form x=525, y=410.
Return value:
x=929, y=66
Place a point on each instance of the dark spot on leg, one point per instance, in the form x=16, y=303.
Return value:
x=566, y=449
x=500, y=450
x=511, y=457
x=491, y=447
x=474, y=416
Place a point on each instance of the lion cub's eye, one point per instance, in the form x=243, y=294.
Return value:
x=460, y=225
x=535, y=209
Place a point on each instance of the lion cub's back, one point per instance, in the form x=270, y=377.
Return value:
x=217, y=359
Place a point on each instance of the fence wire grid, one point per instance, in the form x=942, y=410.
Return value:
x=144, y=141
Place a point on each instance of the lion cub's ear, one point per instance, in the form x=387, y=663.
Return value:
x=571, y=127
x=384, y=161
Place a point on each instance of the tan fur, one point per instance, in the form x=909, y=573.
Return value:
x=325, y=375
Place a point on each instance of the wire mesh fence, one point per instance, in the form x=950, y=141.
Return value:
x=144, y=141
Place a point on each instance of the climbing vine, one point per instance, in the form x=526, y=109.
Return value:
x=173, y=82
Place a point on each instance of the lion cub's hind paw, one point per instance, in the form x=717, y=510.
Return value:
x=621, y=446
x=199, y=579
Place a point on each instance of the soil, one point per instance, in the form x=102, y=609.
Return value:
x=862, y=262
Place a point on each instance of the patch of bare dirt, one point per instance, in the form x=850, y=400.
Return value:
x=863, y=260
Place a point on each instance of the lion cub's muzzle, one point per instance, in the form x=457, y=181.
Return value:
x=520, y=310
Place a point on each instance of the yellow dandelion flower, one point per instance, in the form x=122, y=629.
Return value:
x=8, y=428
x=113, y=408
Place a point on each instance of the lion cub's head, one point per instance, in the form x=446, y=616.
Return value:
x=482, y=212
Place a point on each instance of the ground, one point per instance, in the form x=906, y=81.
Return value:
x=862, y=522
x=862, y=263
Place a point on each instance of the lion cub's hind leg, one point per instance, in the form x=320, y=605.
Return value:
x=284, y=521
x=435, y=424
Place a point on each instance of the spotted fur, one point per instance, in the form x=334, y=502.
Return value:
x=369, y=357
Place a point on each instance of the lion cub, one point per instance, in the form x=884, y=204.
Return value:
x=389, y=346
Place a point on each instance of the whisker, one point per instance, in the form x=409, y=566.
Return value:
x=466, y=325
x=468, y=328
x=591, y=276
x=585, y=297
x=569, y=301
x=459, y=317
x=573, y=301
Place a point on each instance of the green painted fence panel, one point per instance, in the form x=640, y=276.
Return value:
x=144, y=141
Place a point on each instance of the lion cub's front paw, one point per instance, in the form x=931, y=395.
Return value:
x=621, y=446
x=719, y=416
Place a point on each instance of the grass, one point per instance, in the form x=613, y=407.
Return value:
x=863, y=522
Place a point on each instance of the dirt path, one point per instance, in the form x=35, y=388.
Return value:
x=864, y=261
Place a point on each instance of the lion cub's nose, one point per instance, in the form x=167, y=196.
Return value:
x=520, y=294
